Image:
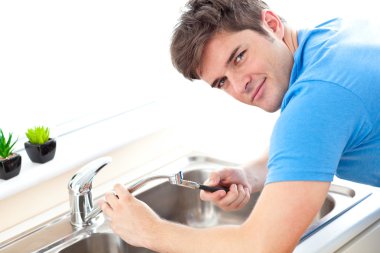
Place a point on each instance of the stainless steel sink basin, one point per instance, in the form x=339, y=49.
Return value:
x=99, y=243
x=180, y=205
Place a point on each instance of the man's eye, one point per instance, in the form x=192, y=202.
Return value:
x=240, y=57
x=221, y=83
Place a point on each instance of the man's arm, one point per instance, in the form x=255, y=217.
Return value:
x=282, y=214
x=257, y=171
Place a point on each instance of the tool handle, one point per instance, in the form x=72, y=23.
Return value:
x=213, y=188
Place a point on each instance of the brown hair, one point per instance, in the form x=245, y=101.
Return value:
x=204, y=18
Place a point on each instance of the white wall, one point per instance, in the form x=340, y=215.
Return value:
x=64, y=60
x=61, y=61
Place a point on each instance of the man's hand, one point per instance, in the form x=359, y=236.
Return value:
x=239, y=189
x=133, y=220
x=242, y=182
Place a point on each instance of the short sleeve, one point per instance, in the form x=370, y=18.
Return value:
x=320, y=121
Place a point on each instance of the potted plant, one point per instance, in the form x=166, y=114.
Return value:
x=10, y=163
x=40, y=147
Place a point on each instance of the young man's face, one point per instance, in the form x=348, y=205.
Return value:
x=251, y=67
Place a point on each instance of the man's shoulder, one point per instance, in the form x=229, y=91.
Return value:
x=318, y=92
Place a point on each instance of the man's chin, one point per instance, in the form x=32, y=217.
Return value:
x=269, y=108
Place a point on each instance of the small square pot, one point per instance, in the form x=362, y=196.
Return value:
x=10, y=167
x=41, y=153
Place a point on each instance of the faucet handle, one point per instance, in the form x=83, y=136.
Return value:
x=81, y=182
x=80, y=196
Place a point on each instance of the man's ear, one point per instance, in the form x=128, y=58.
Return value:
x=273, y=23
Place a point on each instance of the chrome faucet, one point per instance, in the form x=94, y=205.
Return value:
x=80, y=185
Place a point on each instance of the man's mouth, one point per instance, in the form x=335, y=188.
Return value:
x=258, y=88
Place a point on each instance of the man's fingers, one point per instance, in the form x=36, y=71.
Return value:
x=121, y=191
x=212, y=196
x=231, y=196
x=111, y=199
x=213, y=179
x=237, y=197
x=246, y=197
x=241, y=196
x=106, y=208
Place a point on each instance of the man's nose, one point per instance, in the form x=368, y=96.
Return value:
x=240, y=83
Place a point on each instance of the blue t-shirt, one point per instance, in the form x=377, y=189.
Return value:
x=330, y=115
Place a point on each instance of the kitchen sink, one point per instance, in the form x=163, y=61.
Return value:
x=100, y=243
x=177, y=204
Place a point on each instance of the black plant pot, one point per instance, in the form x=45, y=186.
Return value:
x=10, y=167
x=41, y=153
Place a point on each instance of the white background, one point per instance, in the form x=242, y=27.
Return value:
x=65, y=61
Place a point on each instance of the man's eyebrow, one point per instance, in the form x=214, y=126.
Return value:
x=232, y=56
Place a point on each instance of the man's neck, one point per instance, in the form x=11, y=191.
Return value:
x=290, y=39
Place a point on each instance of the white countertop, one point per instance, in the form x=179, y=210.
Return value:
x=343, y=229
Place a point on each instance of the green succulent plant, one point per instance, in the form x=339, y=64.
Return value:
x=6, y=145
x=38, y=135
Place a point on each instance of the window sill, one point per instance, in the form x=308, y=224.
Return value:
x=86, y=144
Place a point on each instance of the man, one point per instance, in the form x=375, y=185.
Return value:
x=326, y=81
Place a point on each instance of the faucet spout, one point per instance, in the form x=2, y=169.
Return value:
x=80, y=185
